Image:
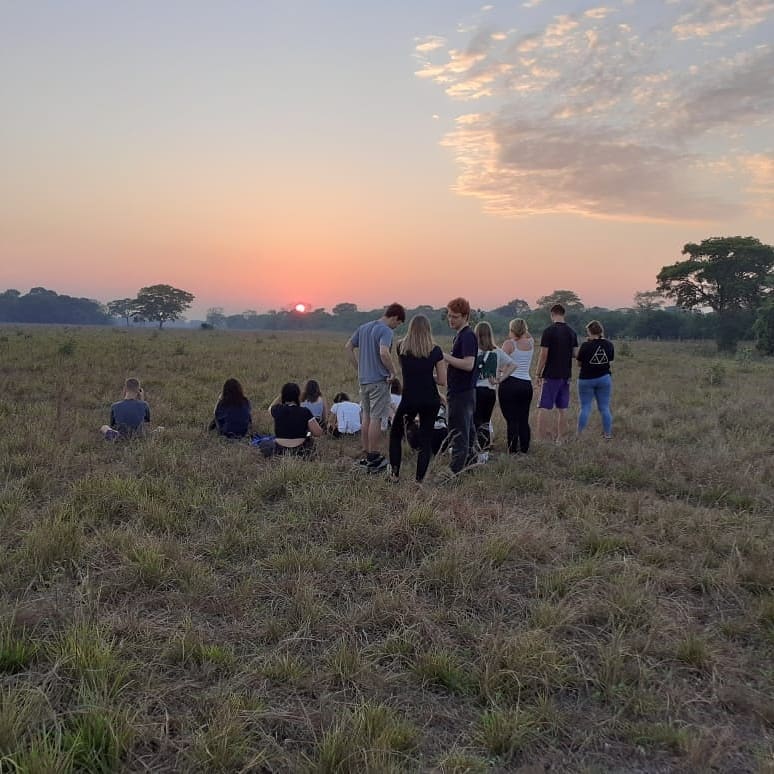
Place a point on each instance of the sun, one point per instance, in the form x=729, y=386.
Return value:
x=301, y=308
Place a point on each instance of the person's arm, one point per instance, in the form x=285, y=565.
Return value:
x=147, y=414
x=541, y=364
x=440, y=373
x=351, y=356
x=275, y=402
x=314, y=427
x=505, y=367
x=463, y=363
x=508, y=347
x=386, y=358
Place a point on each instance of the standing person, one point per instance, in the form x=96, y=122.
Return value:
x=491, y=362
x=461, y=385
x=595, y=380
x=558, y=348
x=128, y=417
x=423, y=366
x=516, y=388
x=313, y=399
x=232, y=412
x=294, y=425
x=375, y=369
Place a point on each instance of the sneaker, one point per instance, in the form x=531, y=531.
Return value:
x=112, y=435
x=362, y=463
x=379, y=464
x=483, y=457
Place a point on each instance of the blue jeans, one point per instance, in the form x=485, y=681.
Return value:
x=599, y=388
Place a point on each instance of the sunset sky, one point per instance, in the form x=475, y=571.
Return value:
x=262, y=153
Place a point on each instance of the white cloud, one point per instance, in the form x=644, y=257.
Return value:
x=709, y=17
x=588, y=114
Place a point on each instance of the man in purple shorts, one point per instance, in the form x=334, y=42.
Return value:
x=558, y=348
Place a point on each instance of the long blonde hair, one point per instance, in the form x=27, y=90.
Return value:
x=518, y=327
x=419, y=338
x=485, y=336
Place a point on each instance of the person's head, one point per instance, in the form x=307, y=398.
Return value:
x=419, y=338
x=518, y=328
x=232, y=394
x=290, y=393
x=483, y=333
x=312, y=391
x=132, y=388
x=595, y=329
x=341, y=397
x=458, y=313
x=395, y=386
x=394, y=315
x=558, y=312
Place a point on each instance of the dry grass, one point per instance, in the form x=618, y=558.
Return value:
x=179, y=603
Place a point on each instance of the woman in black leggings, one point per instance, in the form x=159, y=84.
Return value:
x=515, y=392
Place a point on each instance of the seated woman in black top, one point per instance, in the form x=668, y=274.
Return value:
x=233, y=412
x=294, y=425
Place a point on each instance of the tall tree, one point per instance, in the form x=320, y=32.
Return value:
x=648, y=300
x=730, y=275
x=517, y=307
x=216, y=317
x=162, y=303
x=122, y=307
x=567, y=298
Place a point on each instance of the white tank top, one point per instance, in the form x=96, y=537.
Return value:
x=523, y=360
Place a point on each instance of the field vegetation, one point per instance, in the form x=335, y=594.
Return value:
x=178, y=603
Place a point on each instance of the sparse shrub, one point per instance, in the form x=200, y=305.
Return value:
x=17, y=648
x=715, y=375
x=624, y=350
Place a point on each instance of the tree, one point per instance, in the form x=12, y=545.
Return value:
x=518, y=307
x=567, y=298
x=344, y=308
x=162, y=302
x=764, y=327
x=730, y=275
x=216, y=317
x=648, y=300
x=122, y=307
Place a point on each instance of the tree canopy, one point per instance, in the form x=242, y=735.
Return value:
x=160, y=303
x=567, y=298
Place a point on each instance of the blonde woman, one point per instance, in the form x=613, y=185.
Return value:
x=515, y=391
x=491, y=363
x=423, y=366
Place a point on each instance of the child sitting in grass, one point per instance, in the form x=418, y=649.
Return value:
x=345, y=416
x=128, y=417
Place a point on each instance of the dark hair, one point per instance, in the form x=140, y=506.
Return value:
x=311, y=392
x=595, y=328
x=232, y=394
x=340, y=397
x=396, y=310
x=459, y=306
x=558, y=309
x=395, y=386
x=290, y=393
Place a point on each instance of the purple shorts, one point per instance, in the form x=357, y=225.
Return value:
x=555, y=394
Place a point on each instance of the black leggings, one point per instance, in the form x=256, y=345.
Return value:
x=406, y=413
x=485, y=403
x=515, y=399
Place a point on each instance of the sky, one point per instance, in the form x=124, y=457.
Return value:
x=265, y=153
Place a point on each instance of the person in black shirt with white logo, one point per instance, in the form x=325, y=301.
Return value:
x=595, y=381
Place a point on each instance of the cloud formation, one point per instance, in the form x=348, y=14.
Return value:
x=606, y=114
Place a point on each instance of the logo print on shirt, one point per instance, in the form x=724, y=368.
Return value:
x=599, y=357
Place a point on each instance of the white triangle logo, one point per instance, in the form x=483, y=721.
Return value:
x=599, y=357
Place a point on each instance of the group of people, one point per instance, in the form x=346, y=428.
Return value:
x=475, y=373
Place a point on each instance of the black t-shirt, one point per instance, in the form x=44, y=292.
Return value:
x=595, y=357
x=464, y=345
x=418, y=379
x=560, y=339
x=291, y=420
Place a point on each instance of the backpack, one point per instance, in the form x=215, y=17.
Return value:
x=486, y=364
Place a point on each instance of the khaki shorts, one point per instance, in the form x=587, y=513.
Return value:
x=375, y=400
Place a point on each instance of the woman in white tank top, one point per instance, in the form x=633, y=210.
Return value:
x=515, y=391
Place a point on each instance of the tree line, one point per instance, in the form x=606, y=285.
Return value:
x=722, y=290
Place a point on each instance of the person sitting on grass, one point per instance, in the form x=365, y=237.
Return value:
x=128, y=417
x=294, y=425
x=344, y=416
x=233, y=416
x=313, y=399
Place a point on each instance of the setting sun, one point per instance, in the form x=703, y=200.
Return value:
x=300, y=308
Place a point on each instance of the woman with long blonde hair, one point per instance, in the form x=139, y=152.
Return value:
x=515, y=391
x=423, y=367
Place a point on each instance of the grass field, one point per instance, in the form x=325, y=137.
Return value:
x=180, y=604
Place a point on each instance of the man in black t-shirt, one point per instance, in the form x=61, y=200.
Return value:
x=558, y=348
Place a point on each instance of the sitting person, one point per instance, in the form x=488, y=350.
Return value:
x=128, y=417
x=233, y=416
x=313, y=399
x=294, y=425
x=344, y=416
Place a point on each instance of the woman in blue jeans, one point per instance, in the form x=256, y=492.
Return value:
x=594, y=380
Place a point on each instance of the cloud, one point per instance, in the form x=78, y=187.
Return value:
x=760, y=167
x=708, y=17
x=592, y=114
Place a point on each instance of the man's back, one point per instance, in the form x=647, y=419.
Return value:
x=129, y=415
x=560, y=340
x=368, y=339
